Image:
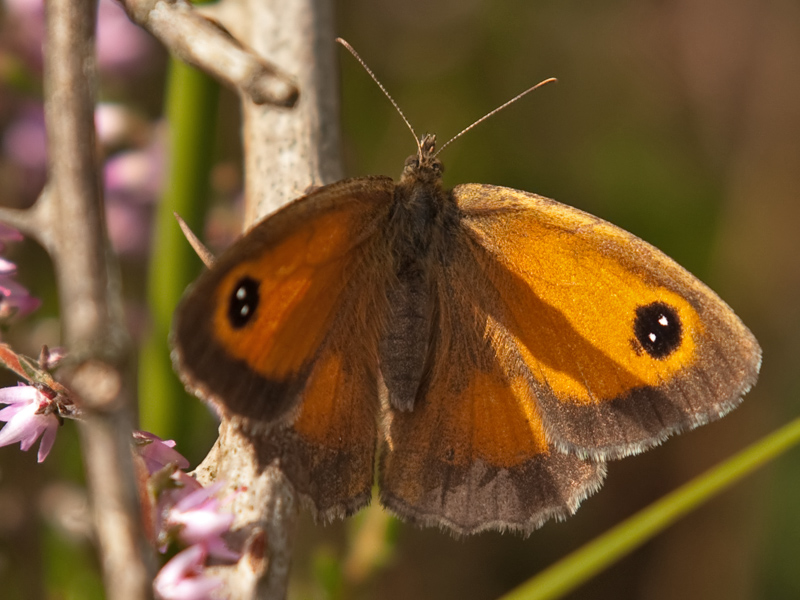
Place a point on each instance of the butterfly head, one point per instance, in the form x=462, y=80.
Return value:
x=423, y=166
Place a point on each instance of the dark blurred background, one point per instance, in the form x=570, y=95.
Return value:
x=676, y=120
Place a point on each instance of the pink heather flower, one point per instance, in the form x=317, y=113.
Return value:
x=31, y=9
x=133, y=182
x=7, y=267
x=8, y=234
x=197, y=519
x=25, y=28
x=166, y=494
x=122, y=47
x=15, y=300
x=120, y=126
x=25, y=139
x=50, y=358
x=23, y=143
x=27, y=418
x=157, y=453
x=136, y=175
x=129, y=226
x=182, y=578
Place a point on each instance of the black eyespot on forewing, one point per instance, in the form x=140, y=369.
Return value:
x=243, y=302
x=658, y=329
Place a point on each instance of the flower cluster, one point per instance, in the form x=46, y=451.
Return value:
x=133, y=145
x=36, y=409
x=185, y=521
x=179, y=513
x=182, y=513
x=32, y=411
x=15, y=300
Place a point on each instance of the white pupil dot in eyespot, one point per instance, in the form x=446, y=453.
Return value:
x=663, y=321
x=652, y=337
x=245, y=310
x=241, y=293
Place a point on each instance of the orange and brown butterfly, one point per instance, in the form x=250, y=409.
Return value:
x=491, y=348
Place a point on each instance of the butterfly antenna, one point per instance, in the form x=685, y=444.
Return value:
x=495, y=111
x=383, y=89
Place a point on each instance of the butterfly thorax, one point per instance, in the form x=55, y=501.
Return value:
x=423, y=210
x=421, y=227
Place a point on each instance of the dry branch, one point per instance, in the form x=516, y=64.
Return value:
x=286, y=151
x=201, y=42
x=70, y=223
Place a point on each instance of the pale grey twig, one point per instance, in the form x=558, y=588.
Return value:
x=69, y=220
x=286, y=152
x=201, y=42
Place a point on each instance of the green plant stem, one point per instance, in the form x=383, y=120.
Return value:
x=578, y=567
x=191, y=110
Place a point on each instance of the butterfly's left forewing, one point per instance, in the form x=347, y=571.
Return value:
x=625, y=346
x=280, y=336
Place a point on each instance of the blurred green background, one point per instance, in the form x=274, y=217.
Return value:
x=679, y=121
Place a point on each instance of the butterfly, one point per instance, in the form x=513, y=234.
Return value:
x=488, y=349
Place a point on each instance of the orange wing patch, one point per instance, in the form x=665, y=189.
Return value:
x=299, y=281
x=485, y=416
x=340, y=401
x=468, y=413
x=572, y=303
x=276, y=296
x=329, y=454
